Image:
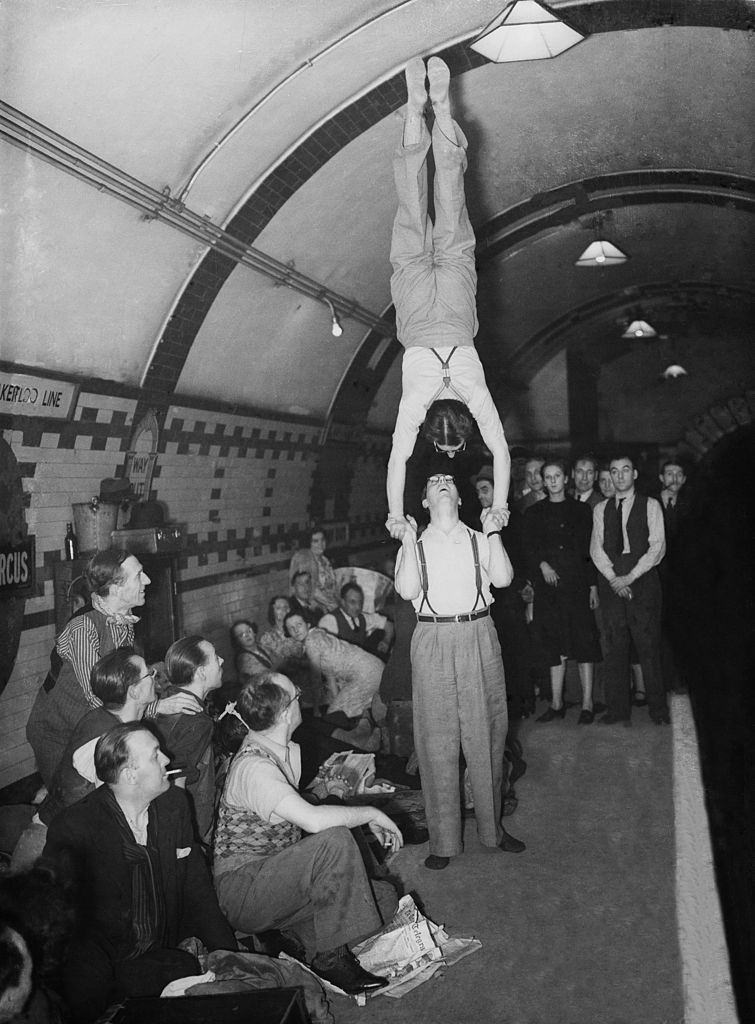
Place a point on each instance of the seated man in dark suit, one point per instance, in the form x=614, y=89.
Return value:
x=301, y=598
x=126, y=688
x=142, y=883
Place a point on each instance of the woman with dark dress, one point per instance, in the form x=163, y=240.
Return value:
x=557, y=551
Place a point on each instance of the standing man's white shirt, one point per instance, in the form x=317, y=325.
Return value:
x=656, y=537
x=452, y=587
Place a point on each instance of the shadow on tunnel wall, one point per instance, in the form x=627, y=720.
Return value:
x=713, y=605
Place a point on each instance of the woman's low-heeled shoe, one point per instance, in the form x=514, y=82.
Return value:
x=551, y=713
x=436, y=863
x=586, y=717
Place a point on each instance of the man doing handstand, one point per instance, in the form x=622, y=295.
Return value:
x=433, y=286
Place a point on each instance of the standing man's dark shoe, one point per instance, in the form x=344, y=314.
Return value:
x=436, y=863
x=511, y=845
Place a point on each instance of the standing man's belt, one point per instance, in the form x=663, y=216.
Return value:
x=468, y=617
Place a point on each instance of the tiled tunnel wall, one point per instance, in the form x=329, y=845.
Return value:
x=240, y=484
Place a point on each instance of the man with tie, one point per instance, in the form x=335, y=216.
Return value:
x=301, y=600
x=584, y=475
x=370, y=630
x=673, y=477
x=628, y=543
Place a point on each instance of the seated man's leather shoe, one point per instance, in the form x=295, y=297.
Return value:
x=436, y=863
x=341, y=968
x=510, y=845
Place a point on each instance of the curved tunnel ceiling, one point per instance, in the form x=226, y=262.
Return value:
x=647, y=123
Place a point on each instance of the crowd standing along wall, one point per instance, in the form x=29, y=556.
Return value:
x=239, y=483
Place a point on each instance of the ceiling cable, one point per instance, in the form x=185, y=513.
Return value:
x=45, y=144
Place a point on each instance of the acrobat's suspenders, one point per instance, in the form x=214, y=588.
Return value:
x=425, y=580
x=447, y=387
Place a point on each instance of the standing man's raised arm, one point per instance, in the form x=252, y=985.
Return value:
x=408, y=579
x=500, y=570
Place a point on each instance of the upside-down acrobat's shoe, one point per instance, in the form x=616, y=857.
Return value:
x=416, y=92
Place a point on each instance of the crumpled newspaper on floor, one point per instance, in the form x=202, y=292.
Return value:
x=410, y=949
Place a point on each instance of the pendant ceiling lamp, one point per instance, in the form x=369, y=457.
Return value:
x=674, y=371
x=601, y=254
x=525, y=30
x=640, y=329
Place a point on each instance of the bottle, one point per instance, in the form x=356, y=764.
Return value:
x=70, y=544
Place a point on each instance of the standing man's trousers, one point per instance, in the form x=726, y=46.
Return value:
x=459, y=697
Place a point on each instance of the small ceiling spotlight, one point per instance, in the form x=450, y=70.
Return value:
x=673, y=371
x=525, y=30
x=639, y=329
x=335, y=324
x=601, y=254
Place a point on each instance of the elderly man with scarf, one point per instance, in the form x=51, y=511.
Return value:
x=143, y=885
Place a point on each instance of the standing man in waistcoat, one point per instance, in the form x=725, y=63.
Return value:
x=628, y=542
x=459, y=693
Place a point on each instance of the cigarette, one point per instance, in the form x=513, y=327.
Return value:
x=175, y=771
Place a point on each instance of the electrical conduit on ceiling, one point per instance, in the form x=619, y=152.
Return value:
x=35, y=138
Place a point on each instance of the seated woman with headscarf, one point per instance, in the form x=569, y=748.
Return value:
x=314, y=561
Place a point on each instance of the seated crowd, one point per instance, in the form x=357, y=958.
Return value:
x=160, y=837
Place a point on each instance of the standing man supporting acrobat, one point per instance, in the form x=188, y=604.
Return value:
x=459, y=693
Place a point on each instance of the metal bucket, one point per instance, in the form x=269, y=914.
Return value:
x=93, y=526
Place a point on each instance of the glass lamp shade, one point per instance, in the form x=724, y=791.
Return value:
x=639, y=329
x=525, y=30
x=673, y=371
x=601, y=254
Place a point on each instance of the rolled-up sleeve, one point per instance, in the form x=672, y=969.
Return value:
x=597, y=552
x=656, y=541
